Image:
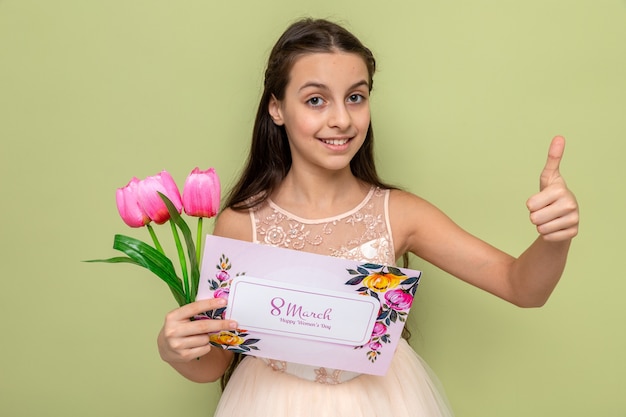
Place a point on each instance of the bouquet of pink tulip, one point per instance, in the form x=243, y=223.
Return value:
x=157, y=199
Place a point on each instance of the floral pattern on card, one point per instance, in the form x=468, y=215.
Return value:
x=395, y=292
x=234, y=340
x=220, y=283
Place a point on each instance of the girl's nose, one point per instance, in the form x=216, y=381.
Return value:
x=339, y=117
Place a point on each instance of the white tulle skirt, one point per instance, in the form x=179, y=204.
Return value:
x=408, y=389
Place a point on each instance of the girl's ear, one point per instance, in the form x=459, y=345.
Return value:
x=274, y=110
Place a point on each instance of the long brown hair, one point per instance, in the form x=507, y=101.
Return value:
x=269, y=158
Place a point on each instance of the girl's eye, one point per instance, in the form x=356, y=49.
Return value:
x=315, y=101
x=355, y=98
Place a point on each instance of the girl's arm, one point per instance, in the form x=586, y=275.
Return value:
x=183, y=343
x=526, y=281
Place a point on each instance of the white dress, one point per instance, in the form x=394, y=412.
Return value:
x=261, y=387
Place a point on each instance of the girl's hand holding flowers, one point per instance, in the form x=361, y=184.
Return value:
x=182, y=340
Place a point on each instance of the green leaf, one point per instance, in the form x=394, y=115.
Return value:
x=355, y=280
x=409, y=281
x=396, y=271
x=177, y=296
x=363, y=270
x=116, y=260
x=146, y=256
x=191, y=247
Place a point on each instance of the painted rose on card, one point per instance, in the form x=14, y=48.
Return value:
x=234, y=341
x=381, y=282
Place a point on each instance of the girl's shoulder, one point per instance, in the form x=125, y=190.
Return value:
x=405, y=200
x=407, y=207
x=234, y=224
x=413, y=218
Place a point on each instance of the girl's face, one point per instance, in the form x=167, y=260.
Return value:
x=325, y=110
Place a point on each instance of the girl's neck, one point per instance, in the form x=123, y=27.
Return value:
x=319, y=196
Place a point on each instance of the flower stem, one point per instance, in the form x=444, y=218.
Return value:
x=199, y=240
x=157, y=244
x=183, y=261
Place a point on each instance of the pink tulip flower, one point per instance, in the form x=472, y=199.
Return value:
x=150, y=201
x=201, y=194
x=128, y=206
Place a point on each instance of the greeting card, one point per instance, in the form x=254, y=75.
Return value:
x=306, y=308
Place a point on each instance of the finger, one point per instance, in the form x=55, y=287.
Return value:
x=551, y=169
x=566, y=221
x=180, y=333
x=192, y=342
x=190, y=353
x=198, y=307
x=197, y=353
x=561, y=235
x=563, y=228
x=549, y=195
x=210, y=326
x=552, y=203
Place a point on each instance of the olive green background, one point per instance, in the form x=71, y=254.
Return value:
x=466, y=100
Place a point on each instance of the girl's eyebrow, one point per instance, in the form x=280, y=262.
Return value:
x=321, y=86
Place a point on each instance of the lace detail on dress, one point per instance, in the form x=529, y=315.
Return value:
x=278, y=366
x=323, y=377
x=362, y=234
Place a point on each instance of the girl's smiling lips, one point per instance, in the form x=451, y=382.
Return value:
x=339, y=141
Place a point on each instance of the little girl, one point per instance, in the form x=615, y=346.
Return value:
x=310, y=184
